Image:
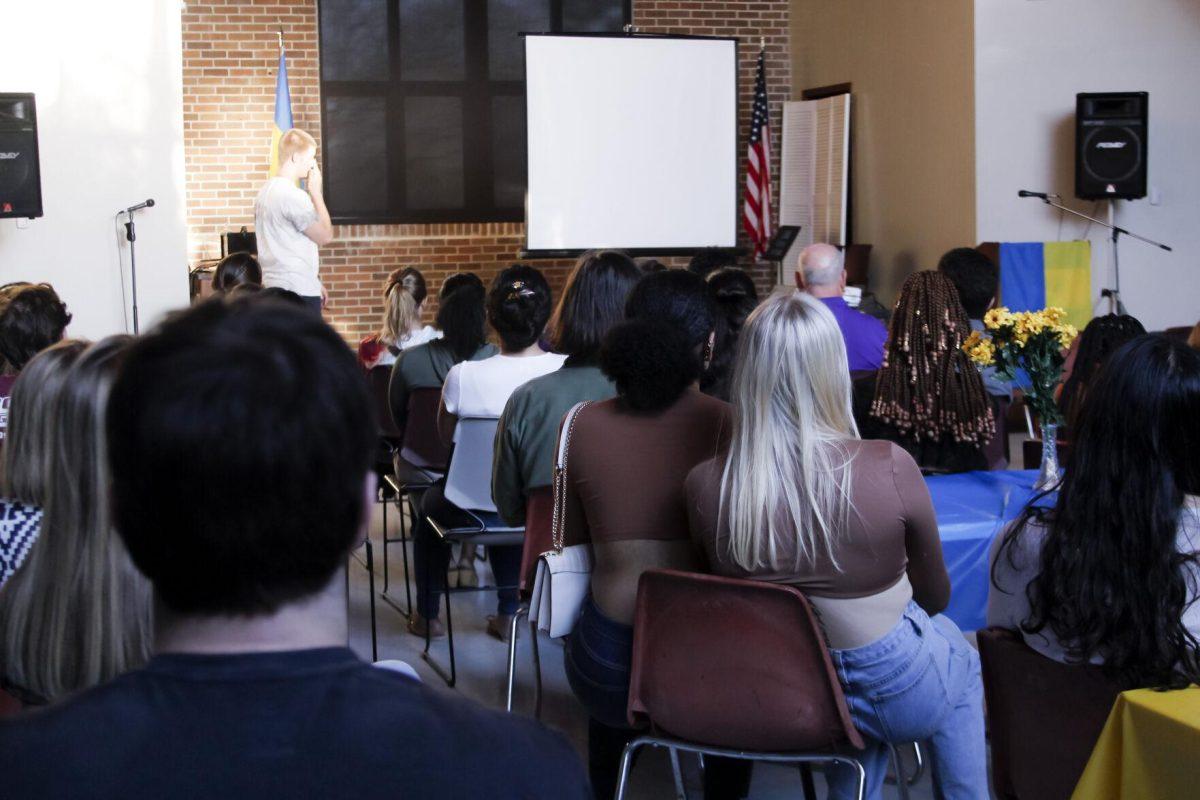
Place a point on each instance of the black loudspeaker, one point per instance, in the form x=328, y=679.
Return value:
x=20, y=176
x=1111, y=136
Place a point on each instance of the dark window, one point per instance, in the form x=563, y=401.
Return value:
x=423, y=103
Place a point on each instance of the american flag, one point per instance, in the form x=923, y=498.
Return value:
x=756, y=210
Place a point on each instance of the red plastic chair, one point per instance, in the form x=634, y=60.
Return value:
x=539, y=515
x=1044, y=717
x=734, y=668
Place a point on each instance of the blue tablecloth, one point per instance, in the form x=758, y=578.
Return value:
x=972, y=508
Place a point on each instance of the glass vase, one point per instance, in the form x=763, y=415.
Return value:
x=1048, y=473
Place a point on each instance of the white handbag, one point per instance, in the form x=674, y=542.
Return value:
x=564, y=574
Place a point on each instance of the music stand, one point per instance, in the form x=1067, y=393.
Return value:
x=780, y=244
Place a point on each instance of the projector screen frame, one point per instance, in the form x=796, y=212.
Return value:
x=737, y=250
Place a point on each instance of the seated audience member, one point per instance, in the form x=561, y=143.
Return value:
x=823, y=275
x=734, y=296
x=976, y=278
x=518, y=306
x=649, y=265
x=31, y=319
x=252, y=692
x=711, y=259
x=591, y=303
x=236, y=269
x=929, y=398
x=76, y=613
x=801, y=500
x=1102, y=336
x=626, y=464
x=462, y=319
x=1109, y=571
x=24, y=462
x=403, y=294
x=1194, y=337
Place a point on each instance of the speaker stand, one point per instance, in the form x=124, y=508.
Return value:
x=1113, y=295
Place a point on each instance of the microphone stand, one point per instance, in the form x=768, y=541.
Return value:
x=1114, y=295
x=131, y=237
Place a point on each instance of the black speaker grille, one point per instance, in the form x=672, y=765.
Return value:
x=1112, y=153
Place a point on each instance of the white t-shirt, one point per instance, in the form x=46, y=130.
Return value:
x=288, y=258
x=482, y=388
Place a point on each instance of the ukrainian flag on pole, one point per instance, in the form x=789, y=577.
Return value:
x=283, y=108
x=1034, y=275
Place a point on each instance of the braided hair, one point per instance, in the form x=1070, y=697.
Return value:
x=928, y=389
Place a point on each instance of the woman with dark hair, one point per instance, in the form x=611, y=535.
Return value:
x=626, y=464
x=403, y=293
x=1109, y=574
x=1099, y=339
x=592, y=302
x=929, y=397
x=518, y=306
x=462, y=320
x=236, y=269
x=734, y=296
x=32, y=318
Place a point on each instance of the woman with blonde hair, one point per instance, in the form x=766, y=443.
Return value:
x=24, y=466
x=800, y=500
x=77, y=613
x=403, y=294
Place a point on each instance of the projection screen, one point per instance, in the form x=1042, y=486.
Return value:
x=632, y=143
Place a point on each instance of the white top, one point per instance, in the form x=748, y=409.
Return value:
x=423, y=336
x=288, y=258
x=1008, y=606
x=482, y=388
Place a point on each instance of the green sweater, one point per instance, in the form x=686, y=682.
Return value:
x=528, y=433
x=424, y=367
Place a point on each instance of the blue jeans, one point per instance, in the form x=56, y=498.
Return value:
x=920, y=682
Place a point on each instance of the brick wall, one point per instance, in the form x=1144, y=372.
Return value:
x=229, y=61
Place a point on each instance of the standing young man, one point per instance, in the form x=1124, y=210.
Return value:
x=291, y=223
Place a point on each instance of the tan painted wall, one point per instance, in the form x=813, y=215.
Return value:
x=911, y=63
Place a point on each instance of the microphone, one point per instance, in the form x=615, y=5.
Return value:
x=140, y=206
x=1038, y=195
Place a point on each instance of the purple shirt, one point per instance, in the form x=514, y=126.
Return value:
x=865, y=336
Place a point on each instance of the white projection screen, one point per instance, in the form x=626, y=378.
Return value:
x=632, y=143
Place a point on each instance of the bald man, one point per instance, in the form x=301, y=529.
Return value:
x=822, y=274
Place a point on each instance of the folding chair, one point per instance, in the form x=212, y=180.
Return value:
x=1044, y=717
x=539, y=512
x=419, y=460
x=469, y=486
x=696, y=638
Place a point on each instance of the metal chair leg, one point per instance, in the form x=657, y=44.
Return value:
x=626, y=763
x=385, y=554
x=677, y=774
x=537, y=670
x=806, y=780
x=404, y=553
x=371, y=589
x=898, y=766
x=920, y=765
x=512, y=659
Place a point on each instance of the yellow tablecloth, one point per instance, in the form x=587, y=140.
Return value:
x=1149, y=748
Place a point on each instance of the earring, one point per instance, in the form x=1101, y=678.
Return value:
x=707, y=355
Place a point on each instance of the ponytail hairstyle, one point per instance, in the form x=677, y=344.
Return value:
x=928, y=389
x=460, y=316
x=402, y=297
x=592, y=302
x=734, y=296
x=518, y=306
x=236, y=269
x=654, y=356
x=1112, y=580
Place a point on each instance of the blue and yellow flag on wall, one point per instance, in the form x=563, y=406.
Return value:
x=1034, y=275
x=283, y=110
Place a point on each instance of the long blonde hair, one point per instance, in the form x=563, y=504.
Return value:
x=788, y=471
x=77, y=612
x=24, y=468
x=402, y=297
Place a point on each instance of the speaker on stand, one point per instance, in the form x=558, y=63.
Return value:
x=20, y=176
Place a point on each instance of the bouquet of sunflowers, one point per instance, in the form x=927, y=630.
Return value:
x=1032, y=341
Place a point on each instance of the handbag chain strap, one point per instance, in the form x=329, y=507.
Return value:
x=560, y=479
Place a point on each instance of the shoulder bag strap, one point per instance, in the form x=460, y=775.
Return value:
x=560, y=476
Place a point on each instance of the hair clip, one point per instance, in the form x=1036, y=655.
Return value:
x=518, y=289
